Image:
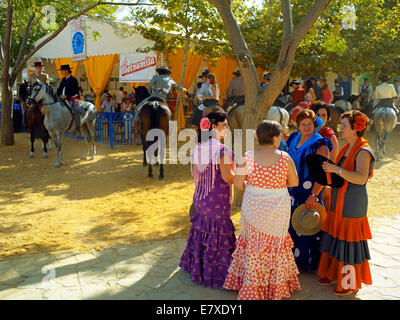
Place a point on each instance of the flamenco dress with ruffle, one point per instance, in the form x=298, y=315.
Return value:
x=306, y=248
x=345, y=232
x=211, y=240
x=263, y=265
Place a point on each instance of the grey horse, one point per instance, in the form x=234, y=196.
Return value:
x=385, y=121
x=235, y=117
x=59, y=118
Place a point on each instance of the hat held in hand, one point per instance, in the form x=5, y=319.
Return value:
x=308, y=222
x=314, y=163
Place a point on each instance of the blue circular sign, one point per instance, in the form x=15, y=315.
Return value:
x=78, y=42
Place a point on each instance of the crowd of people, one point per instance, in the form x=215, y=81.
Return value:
x=286, y=224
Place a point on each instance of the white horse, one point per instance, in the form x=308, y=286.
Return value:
x=385, y=120
x=279, y=115
x=59, y=118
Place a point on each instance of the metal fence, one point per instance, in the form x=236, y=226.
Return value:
x=113, y=128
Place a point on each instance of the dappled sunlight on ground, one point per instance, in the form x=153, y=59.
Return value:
x=110, y=201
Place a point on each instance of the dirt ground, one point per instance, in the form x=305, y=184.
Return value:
x=108, y=201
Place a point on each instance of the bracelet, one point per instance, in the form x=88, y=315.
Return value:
x=315, y=196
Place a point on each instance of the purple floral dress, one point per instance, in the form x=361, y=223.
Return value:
x=212, y=239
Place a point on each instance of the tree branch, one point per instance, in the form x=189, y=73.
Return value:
x=21, y=65
x=288, y=52
x=239, y=46
x=1, y=50
x=7, y=43
x=287, y=18
x=22, y=47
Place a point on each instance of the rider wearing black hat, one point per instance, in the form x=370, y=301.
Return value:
x=69, y=90
x=38, y=74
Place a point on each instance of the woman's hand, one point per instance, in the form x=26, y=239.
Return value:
x=329, y=167
x=310, y=203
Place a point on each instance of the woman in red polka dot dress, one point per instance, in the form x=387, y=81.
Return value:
x=263, y=265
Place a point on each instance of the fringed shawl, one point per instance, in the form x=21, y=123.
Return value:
x=204, y=165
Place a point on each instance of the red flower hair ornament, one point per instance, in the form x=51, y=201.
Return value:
x=205, y=124
x=360, y=124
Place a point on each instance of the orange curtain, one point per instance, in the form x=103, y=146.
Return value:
x=61, y=61
x=192, y=65
x=223, y=73
x=98, y=71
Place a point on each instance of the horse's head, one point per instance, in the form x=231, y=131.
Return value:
x=141, y=93
x=36, y=93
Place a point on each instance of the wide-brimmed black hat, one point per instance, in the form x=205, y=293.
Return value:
x=65, y=67
x=165, y=69
x=204, y=73
x=236, y=73
x=38, y=64
x=314, y=163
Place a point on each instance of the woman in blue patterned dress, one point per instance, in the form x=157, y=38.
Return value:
x=301, y=143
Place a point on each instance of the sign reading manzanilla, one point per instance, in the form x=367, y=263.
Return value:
x=137, y=67
x=78, y=40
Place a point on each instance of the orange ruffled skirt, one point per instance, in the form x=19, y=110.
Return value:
x=350, y=233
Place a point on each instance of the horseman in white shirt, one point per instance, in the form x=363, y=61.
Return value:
x=385, y=93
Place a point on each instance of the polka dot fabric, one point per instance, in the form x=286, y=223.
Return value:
x=263, y=265
x=272, y=177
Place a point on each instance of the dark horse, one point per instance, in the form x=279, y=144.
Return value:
x=34, y=119
x=152, y=116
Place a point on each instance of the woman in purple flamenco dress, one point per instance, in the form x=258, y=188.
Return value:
x=212, y=239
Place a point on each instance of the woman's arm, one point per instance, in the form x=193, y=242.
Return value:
x=240, y=176
x=225, y=166
x=335, y=149
x=360, y=176
x=214, y=91
x=330, y=94
x=313, y=97
x=292, y=178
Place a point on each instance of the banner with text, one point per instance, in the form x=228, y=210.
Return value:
x=137, y=67
x=78, y=40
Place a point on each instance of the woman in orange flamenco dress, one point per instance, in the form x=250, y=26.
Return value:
x=344, y=247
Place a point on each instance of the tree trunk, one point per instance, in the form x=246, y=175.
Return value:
x=185, y=55
x=7, y=128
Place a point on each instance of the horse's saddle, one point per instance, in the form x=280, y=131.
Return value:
x=233, y=103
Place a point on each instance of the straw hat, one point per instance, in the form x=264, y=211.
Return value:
x=308, y=222
x=165, y=69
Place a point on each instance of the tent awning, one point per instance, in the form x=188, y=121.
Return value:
x=102, y=38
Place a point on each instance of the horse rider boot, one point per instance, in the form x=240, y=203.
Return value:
x=159, y=87
x=385, y=92
x=69, y=89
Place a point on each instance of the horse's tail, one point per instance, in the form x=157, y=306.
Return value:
x=155, y=115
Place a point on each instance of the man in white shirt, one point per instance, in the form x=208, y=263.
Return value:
x=118, y=99
x=385, y=92
x=107, y=105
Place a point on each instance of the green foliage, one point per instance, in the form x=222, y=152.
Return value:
x=171, y=21
x=373, y=47
x=23, y=9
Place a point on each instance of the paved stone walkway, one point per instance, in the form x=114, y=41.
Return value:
x=149, y=271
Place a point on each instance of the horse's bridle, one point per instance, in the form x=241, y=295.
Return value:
x=29, y=98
